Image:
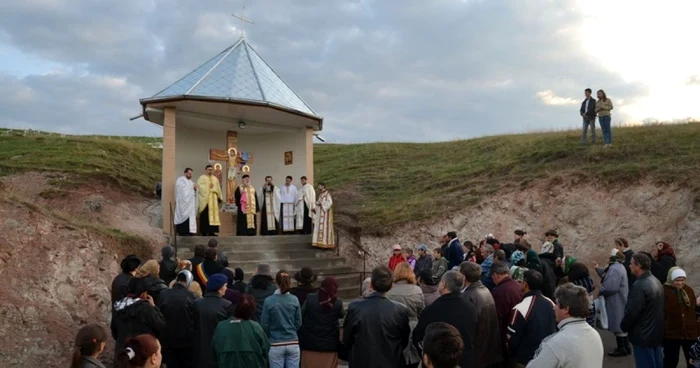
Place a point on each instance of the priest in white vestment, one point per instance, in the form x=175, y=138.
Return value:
x=324, y=234
x=209, y=197
x=288, y=200
x=306, y=201
x=185, y=205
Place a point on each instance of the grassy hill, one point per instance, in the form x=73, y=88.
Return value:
x=383, y=184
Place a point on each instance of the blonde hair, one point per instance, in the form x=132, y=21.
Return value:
x=403, y=272
x=150, y=268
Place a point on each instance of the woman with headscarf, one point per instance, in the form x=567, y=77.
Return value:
x=193, y=286
x=615, y=288
x=517, y=270
x=680, y=326
x=319, y=336
x=665, y=259
x=578, y=275
x=150, y=271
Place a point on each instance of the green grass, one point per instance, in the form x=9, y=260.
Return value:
x=129, y=162
x=380, y=185
x=394, y=183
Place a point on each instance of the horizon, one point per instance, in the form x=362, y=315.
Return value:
x=406, y=71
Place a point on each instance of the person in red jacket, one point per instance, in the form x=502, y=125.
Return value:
x=396, y=257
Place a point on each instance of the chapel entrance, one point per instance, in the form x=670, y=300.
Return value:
x=235, y=113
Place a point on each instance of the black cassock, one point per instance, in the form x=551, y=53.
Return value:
x=204, y=228
x=241, y=220
x=308, y=221
x=263, y=213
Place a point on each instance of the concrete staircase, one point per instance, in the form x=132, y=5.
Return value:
x=289, y=252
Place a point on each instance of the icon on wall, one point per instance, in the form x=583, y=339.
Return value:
x=288, y=159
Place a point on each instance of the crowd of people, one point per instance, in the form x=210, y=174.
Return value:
x=489, y=304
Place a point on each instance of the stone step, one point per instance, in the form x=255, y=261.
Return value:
x=242, y=240
x=241, y=256
x=272, y=247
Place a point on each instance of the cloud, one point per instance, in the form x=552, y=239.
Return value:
x=549, y=98
x=405, y=70
x=693, y=80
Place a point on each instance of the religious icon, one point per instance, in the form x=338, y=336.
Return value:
x=288, y=158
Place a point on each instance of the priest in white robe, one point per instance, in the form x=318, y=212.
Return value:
x=185, y=205
x=209, y=198
x=306, y=200
x=323, y=234
x=288, y=200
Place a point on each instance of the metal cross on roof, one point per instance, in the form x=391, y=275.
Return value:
x=243, y=20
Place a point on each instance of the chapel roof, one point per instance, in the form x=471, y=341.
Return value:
x=237, y=73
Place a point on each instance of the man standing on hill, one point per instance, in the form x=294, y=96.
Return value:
x=306, y=198
x=186, y=205
x=288, y=199
x=209, y=196
x=588, y=114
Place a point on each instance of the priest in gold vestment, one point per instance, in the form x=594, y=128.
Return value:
x=324, y=234
x=247, y=204
x=208, y=198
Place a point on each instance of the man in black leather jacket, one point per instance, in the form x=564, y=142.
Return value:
x=376, y=330
x=644, y=314
x=178, y=308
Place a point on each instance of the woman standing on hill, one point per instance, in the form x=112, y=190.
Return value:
x=603, y=107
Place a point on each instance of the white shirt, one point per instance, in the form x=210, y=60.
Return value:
x=288, y=194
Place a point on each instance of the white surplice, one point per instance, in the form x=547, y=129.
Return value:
x=288, y=198
x=306, y=196
x=324, y=234
x=186, y=203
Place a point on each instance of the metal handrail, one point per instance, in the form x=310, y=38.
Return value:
x=365, y=253
x=173, y=233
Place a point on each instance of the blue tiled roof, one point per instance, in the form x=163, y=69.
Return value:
x=238, y=73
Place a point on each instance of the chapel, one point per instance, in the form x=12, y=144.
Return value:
x=237, y=114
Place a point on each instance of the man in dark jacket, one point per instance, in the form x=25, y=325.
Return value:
x=207, y=268
x=198, y=258
x=487, y=350
x=120, y=285
x=136, y=314
x=507, y=294
x=553, y=237
x=178, y=308
x=531, y=321
x=588, y=114
x=452, y=309
x=424, y=261
x=261, y=286
x=168, y=265
x=644, y=314
x=455, y=253
x=221, y=258
x=211, y=310
x=376, y=330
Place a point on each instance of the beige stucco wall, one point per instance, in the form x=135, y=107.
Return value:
x=192, y=150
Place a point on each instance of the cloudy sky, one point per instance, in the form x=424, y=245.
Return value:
x=382, y=70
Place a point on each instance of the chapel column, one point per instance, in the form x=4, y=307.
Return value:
x=168, y=167
x=310, y=156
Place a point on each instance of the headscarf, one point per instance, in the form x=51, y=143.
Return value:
x=188, y=277
x=666, y=250
x=683, y=297
x=616, y=256
x=547, y=247
x=516, y=257
x=517, y=273
x=328, y=293
x=568, y=261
